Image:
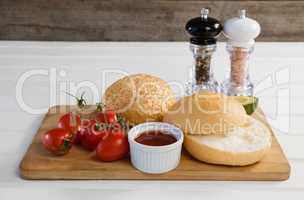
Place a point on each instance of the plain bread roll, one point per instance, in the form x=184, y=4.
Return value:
x=206, y=113
x=242, y=146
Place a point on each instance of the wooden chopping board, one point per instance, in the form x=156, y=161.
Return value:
x=81, y=164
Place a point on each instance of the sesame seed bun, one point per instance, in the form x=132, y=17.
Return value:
x=139, y=98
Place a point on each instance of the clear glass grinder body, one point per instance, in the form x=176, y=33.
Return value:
x=241, y=33
x=203, y=31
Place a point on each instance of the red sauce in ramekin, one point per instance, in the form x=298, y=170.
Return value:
x=155, y=138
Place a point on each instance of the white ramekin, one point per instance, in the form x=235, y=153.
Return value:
x=155, y=159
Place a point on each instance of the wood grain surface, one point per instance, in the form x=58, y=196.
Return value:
x=81, y=164
x=138, y=20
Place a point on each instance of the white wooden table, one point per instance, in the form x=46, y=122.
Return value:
x=276, y=68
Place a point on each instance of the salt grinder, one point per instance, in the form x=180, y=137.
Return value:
x=241, y=32
x=203, y=31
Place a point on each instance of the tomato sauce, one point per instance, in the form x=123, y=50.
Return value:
x=155, y=138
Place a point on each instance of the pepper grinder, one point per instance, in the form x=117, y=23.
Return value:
x=241, y=32
x=203, y=31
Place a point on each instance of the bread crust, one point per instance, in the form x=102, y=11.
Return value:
x=206, y=113
x=210, y=155
x=140, y=98
x=214, y=155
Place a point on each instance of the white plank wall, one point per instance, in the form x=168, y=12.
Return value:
x=270, y=65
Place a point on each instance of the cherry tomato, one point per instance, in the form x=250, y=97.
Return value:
x=85, y=123
x=65, y=123
x=113, y=147
x=57, y=141
x=92, y=135
x=106, y=116
x=77, y=137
